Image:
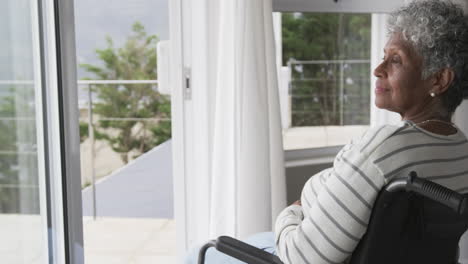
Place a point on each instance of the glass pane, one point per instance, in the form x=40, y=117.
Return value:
x=22, y=237
x=328, y=59
x=125, y=124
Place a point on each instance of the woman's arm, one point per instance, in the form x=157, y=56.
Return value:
x=338, y=211
x=337, y=205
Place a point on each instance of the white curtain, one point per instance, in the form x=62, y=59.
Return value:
x=378, y=41
x=237, y=186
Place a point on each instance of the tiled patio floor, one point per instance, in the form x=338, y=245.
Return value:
x=129, y=240
x=106, y=240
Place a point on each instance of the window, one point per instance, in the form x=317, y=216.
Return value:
x=35, y=183
x=327, y=61
x=327, y=50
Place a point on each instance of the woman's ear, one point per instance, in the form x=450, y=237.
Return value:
x=442, y=80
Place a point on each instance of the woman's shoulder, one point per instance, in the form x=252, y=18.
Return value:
x=411, y=137
x=361, y=148
x=375, y=136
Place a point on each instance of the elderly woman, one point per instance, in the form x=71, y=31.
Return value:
x=423, y=77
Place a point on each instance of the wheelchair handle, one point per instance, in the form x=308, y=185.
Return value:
x=239, y=250
x=436, y=192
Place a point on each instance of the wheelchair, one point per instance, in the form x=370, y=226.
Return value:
x=413, y=221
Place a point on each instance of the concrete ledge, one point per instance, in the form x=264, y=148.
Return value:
x=320, y=136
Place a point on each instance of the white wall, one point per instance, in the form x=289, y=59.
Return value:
x=163, y=67
x=461, y=117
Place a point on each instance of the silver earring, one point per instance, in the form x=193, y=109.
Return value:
x=432, y=94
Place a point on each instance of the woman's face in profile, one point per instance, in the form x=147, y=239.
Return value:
x=399, y=87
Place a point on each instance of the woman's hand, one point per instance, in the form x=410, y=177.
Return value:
x=298, y=202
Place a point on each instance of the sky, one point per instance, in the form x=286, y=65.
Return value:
x=16, y=61
x=96, y=19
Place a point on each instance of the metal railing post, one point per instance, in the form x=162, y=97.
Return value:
x=290, y=95
x=92, y=154
x=341, y=91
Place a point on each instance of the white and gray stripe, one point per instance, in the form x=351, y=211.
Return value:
x=354, y=191
x=430, y=135
x=372, y=138
x=340, y=227
x=364, y=176
x=424, y=145
x=406, y=132
x=447, y=176
x=421, y=162
x=345, y=208
x=317, y=250
x=337, y=203
x=324, y=235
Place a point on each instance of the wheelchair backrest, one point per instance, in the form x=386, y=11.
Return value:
x=408, y=228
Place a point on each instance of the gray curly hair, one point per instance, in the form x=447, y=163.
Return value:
x=438, y=30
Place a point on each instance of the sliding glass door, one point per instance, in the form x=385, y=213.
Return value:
x=23, y=212
x=35, y=192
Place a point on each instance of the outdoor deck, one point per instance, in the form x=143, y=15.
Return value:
x=107, y=240
x=129, y=240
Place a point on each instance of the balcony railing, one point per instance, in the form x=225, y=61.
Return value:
x=88, y=98
x=18, y=113
x=329, y=92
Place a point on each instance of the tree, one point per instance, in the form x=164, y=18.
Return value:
x=18, y=160
x=136, y=60
x=8, y=196
x=316, y=87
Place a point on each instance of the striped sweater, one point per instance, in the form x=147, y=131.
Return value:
x=337, y=202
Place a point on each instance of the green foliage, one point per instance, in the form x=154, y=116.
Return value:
x=317, y=98
x=7, y=162
x=85, y=184
x=136, y=60
x=161, y=133
x=18, y=162
x=83, y=131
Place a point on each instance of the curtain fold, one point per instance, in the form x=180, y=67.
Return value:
x=237, y=146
